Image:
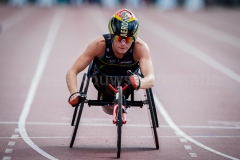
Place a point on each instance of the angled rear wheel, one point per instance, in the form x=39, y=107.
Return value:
x=152, y=118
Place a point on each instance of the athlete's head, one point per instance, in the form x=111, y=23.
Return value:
x=123, y=23
x=124, y=27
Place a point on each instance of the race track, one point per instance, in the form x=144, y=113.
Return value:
x=196, y=58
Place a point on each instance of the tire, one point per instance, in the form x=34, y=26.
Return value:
x=119, y=122
x=154, y=107
x=76, y=125
x=153, y=120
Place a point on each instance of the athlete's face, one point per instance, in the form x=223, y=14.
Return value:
x=121, y=45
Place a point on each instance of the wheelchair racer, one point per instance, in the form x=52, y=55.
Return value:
x=116, y=53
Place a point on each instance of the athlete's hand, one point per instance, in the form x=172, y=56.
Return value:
x=135, y=80
x=76, y=98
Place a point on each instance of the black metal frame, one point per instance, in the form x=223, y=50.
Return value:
x=129, y=103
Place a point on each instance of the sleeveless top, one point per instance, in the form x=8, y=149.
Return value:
x=110, y=65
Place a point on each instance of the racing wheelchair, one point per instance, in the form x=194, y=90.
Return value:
x=119, y=92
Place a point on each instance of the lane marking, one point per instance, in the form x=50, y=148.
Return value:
x=11, y=143
x=183, y=140
x=187, y=147
x=52, y=33
x=8, y=150
x=14, y=19
x=193, y=154
x=206, y=30
x=179, y=43
x=127, y=125
x=66, y=118
x=200, y=136
x=14, y=136
x=6, y=158
x=225, y=123
x=16, y=130
x=180, y=132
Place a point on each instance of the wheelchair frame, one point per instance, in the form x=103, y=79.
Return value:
x=119, y=100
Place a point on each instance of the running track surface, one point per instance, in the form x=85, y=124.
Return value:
x=196, y=58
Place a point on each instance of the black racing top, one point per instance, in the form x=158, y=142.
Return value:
x=109, y=64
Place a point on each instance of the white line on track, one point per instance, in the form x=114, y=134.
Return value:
x=52, y=33
x=6, y=158
x=8, y=150
x=193, y=154
x=206, y=30
x=179, y=43
x=16, y=18
x=11, y=143
x=128, y=125
x=181, y=133
x=179, y=136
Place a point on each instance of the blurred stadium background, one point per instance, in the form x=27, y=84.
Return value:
x=165, y=4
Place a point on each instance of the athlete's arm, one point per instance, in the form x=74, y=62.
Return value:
x=142, y=54
x=95, y=48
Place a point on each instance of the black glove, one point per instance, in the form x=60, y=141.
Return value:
x=80, y=97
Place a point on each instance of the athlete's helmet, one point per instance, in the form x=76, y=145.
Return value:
x=123, y=23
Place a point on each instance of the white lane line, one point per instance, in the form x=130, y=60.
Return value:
x=206, y=30
x=127, y=125
x=14, y=19
x=180, y=132
x=225, y=123
x=16, y=130
x=201, y=136
x=187, y=147
x=8, y=150
x=6, y=158
x=193, y=154
x=11, y=143
x=14, y=136
x=183, y=140
x=66, y=118
x=52, y=33
x=179, y=43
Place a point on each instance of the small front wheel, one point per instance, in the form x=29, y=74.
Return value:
x=119, y=122
x=76, y=125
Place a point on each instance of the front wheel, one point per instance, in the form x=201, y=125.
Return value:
x=76, y=125
x=119, y=122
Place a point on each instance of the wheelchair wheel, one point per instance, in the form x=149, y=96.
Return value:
x=154, y=107
x=119, y=122
x=77, y=124
x=152, y=119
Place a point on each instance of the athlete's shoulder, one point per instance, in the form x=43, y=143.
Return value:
x=100, y=41
x=139, y=43
x=97, y=46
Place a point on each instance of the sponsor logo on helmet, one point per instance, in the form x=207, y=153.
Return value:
x=124, y=24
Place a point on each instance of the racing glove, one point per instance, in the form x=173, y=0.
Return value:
x=76, y=98
x=132, y=79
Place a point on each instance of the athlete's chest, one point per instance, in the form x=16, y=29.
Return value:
x=109, y=57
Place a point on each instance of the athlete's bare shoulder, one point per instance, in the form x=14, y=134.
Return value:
x=140, y=43
x=97, y=46
x=140, y=49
